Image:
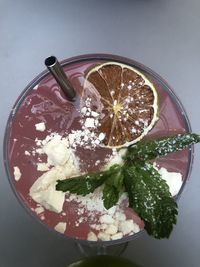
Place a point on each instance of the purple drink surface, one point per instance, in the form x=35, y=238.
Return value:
x=47, y=103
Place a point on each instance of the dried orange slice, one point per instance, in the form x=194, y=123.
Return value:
x=126, y=101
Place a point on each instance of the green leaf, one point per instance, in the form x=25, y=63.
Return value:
x=110, y=196
x=151, y=149
x=150, y=198
x=113, y=186
x=84, y=184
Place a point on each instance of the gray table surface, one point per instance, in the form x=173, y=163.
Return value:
x=163, y=35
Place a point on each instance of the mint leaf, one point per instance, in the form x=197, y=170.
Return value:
x=83, y=184
x=113, y=186
x=150, y=198
x=110, y=196
x=151, y=149
x=87, y=183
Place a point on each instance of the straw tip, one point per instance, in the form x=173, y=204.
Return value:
x=50, y=61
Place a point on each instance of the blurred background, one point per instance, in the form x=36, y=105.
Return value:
x=163, y=35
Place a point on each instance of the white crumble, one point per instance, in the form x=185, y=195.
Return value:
x=120, y=216
x=17, y=173
x=112, y=92
x=106, y=219
x=92, y=236
x=39, y=210
x=103, y=236
x=137, y=123
x=43, y=190
x=27, y=153
x=42, y=167
x=94, y=114
x=89, y=123
x=97, y=162
x=60, y=227
x=36, y=87
x=126, y=227
x=136, y=228
x=57, y=150
x=101, y=136
x=40, y=126
x=116, y=236
x=84, y=110
x=173, y=179
x=111, y=229
x=65, y=165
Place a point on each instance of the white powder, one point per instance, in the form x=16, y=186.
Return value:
x=86, y=136
x=115, y=158
x=92, y=202
x=17, y=173
x=60, y=227
x=40, y=126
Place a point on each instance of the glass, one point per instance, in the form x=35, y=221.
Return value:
x=104, y=260
x=173, y=119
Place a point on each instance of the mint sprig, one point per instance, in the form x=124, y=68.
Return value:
x=150, y=198
x=148, y=193
x=113, y=186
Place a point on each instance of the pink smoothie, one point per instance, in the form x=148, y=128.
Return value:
x=46, y=102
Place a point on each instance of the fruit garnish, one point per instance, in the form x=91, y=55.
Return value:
x=148, y=194
x=126, y=100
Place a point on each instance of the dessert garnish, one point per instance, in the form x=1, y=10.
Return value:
x=148, y=193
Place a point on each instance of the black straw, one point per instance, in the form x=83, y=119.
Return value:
x=56, y=70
